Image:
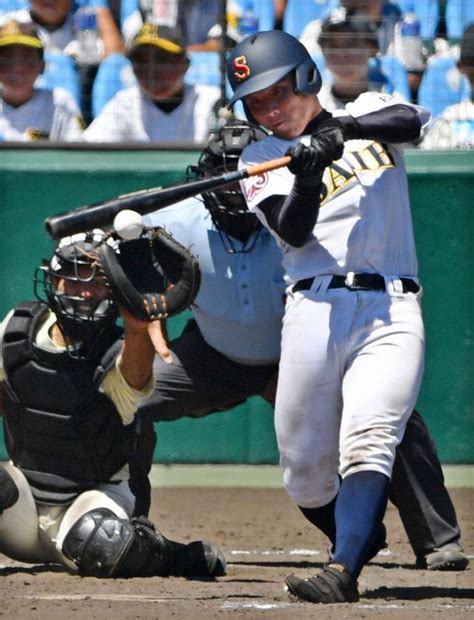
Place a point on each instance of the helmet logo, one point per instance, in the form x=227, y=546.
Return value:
x=241, y=68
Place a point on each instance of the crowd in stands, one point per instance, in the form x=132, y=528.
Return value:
x=151, y=70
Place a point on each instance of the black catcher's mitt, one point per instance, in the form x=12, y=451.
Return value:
x=153, y=276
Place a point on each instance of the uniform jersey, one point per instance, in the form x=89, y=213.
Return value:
x=240, y=301
x=454, y=129
x=48, y=115
x=364, y=222
x=131, y=116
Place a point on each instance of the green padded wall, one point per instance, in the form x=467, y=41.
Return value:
x=37, y=183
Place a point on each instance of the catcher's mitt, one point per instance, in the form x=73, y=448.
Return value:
x=153, y=276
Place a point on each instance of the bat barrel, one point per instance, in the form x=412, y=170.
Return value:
x=144, y=201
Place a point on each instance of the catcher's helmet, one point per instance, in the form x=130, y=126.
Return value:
x=82, y=319
x=262, y=59
x=227, y=206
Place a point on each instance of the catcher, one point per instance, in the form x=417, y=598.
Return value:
x=71, y=382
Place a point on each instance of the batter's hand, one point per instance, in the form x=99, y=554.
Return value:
x=326, y=145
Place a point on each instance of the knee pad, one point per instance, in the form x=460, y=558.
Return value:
x=97, y=542
x=8, y=490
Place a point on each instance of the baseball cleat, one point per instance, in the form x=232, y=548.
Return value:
x=447, y=557
x=198, y=559
x=332, y=585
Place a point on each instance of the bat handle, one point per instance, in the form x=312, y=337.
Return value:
x=266, y=166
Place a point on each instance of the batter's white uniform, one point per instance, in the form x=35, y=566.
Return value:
x=48, y=115
x=131, y=116
x=352, y=361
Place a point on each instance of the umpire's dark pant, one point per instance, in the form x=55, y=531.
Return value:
x=202, y=381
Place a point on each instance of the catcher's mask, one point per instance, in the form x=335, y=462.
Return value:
x=264, y=58
x=227, y=206
x=75, y=290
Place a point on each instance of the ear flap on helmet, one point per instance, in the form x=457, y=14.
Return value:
x=308, y=78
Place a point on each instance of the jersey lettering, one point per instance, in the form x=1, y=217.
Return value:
x=343, y=173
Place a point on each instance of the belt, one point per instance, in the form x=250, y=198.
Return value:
x=359, y=282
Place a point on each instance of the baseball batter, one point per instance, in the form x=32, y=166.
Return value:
x=353, y=339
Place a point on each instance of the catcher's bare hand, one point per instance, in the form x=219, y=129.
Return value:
x=159, y=337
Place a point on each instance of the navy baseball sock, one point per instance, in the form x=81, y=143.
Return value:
x=360, y=508
x=323, y=518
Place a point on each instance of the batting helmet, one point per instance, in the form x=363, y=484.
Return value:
x=81, y=319
x=227, y=206
x=262, y=59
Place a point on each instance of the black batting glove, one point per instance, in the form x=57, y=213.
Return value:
x=326, y=146
x=348, y=125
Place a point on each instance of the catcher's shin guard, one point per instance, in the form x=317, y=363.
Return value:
x=332, y=585
x=8, y=490
x=104, y=545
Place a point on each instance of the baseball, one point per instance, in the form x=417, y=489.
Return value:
x=128, y=224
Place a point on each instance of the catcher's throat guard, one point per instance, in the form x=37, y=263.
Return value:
x=153, y=276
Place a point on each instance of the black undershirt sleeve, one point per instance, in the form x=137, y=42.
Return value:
x=293, y=217
x=396, y=124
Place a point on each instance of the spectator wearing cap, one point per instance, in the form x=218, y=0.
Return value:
x=348, y=42
x=454, y=128
x=160, y=107
x=59, y=25
x=27, y=112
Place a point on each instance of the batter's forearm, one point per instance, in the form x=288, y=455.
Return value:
x=294, y=217
x=396, y=124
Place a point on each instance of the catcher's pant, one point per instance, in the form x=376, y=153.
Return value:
x=350, y=372
x=34, y=533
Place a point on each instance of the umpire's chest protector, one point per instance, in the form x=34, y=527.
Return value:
x=59, y=429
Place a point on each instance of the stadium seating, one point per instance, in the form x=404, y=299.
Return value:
x=60, y=71
x=442, y=85
x=115, y=73
x=459, y=13
x=299, y=13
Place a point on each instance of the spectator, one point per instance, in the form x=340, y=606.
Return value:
x=384, y=14
x=57, y=26
x=193, y=17
x=160, y=107
x=27, y=112
x=348, y=42
x=454, y=128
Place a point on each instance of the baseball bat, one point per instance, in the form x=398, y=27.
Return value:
x=145, y=201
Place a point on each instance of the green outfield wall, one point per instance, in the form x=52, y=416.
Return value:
x=36, y=183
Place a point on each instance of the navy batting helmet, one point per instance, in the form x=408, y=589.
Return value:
x=262, y=59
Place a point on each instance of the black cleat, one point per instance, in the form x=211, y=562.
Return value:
x=198, y=559
x=332, y=585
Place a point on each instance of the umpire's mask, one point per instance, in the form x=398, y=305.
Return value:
x=227, y=206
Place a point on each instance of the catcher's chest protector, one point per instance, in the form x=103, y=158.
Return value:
x=59, y=429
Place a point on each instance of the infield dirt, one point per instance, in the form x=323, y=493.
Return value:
x=264, y=538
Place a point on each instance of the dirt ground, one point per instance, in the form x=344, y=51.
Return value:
x=264, y=538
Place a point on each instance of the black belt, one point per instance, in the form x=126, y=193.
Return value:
x=359, y=282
